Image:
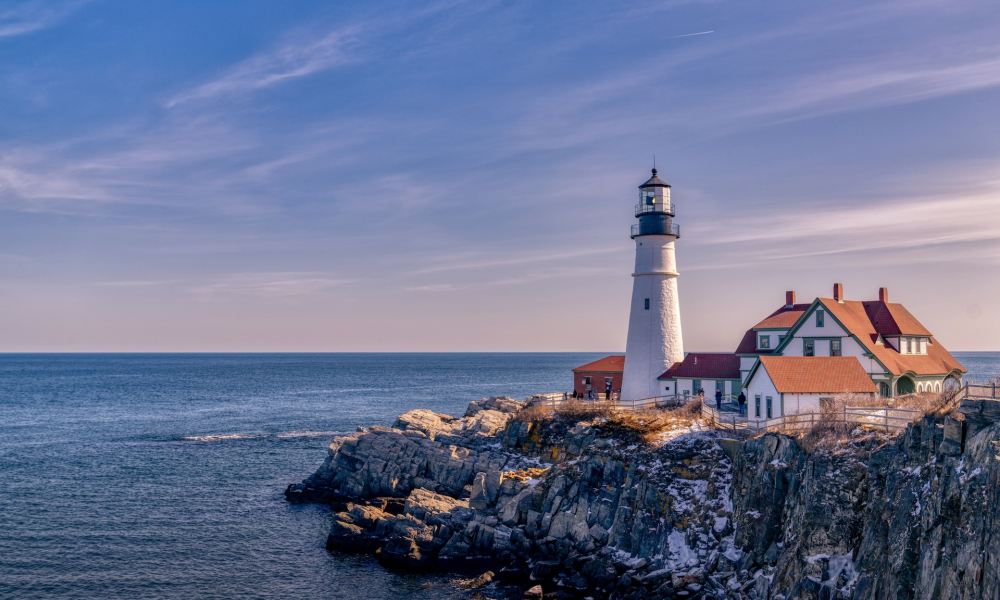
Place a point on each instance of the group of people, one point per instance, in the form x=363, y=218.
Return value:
x=590, y=395
x=741, y=400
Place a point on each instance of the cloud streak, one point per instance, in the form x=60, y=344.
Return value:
x=28, y=17
x=301, y=56
x=269, y=285
x=876, y=85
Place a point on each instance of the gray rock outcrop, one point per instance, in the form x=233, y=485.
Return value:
x=589, y=510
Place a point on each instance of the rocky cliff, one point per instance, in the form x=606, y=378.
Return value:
x=585, y=507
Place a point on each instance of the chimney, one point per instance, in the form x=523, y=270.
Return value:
x=838, y=292
x=789, y=298
x=883, y=294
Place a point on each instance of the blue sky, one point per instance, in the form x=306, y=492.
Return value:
x=460, y=175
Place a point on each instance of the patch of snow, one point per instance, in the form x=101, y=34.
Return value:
x=681, y=555
x=720, y=524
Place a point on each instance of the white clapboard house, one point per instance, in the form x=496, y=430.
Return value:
x=802, y=354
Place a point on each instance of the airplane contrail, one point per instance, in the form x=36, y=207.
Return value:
x=694, y=34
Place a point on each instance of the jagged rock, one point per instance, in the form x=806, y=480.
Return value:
x=478, y=582
x=588, y=511
x=534, y=593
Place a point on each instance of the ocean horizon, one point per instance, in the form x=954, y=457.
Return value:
x=161, y=475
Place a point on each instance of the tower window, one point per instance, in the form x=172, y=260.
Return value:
x=646, y=303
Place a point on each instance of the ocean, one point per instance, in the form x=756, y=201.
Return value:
x=161, y=475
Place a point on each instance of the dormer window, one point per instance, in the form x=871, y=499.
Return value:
x=820, y=318
x=764, y=342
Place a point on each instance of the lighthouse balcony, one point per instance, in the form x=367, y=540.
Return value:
x=659, y=208
x=656, y=228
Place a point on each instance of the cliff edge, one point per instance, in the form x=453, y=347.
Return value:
x=584, y=505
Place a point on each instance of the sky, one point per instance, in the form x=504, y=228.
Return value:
x=460, y=176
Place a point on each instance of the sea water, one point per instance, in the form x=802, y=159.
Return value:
x=137, y=476
x=161, y=476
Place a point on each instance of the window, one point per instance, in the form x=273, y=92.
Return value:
x=770, y=410
x=820, y=318
x=904, y=347
x=835, y=347
x=764, y=342
x=808, y=347
x=646, y=302
x=649, y=198
x=586, y=381
x=695, y=385
x=756, y=402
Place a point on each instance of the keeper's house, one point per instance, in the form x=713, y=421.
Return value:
x=877, y=338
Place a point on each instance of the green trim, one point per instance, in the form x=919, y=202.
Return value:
x=798, y=325
x=753, y=369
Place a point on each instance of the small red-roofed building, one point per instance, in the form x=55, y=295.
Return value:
x=703, y=371
x=595, y=376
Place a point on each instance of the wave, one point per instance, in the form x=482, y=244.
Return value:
x=307, y=434
x=285, y=435
x=222, y=437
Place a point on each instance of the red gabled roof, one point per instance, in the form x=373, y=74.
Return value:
x=614, y=363
x=856, y=316
x=893, y=319
x=705, y=365
x=783, y=318
x=817, y=374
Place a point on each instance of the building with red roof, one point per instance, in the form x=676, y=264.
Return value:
x=597, y=375
x=776, y=358
x=780, y=385
x=707, y=371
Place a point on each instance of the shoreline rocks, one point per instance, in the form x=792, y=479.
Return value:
x=582, y=510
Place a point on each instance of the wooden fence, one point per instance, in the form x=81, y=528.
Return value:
x=557, y=399
x=981, y=391
x=885, y=419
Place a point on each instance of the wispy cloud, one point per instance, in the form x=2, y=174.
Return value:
x=534, y=257
x=696, y=33
x=300, y=56
x=135, y=283
x=34, y=15
x=273, y=285
x=909, y=229
x=583, y=272
x=884, y=83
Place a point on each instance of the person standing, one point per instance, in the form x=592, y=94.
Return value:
x=742, y=401
x=718, y=398
x=607, y=390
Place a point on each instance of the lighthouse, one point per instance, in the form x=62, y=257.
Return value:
x=654, y=324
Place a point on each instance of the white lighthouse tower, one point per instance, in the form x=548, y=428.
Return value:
x=654, y=324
